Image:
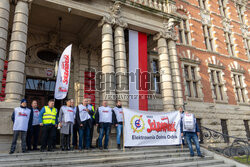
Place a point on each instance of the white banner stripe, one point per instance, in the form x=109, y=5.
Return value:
x=145, y=128
x=133, y=65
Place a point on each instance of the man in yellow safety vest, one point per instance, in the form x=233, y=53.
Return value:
x=48, y=119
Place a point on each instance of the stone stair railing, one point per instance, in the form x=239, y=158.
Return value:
x=166, y=6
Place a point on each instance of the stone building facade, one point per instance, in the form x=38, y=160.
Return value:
x=198, y=54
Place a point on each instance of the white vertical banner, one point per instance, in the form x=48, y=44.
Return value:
x=146, y=128
x=63, y=74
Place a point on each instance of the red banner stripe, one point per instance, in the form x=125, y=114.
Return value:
x=143, y=66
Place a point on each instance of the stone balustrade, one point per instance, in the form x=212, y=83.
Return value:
x=167, y=6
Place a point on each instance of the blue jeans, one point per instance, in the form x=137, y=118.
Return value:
x=119, y=130
x=85, y=130
x=104, y=129
x=192, y=136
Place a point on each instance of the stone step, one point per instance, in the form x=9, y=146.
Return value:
x=221, y=165
x=162, y=163
x=85, y=152
x=38, y=153
x=120, y=160
x=197, y=163
x=95, y=156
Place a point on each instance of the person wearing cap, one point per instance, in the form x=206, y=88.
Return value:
x=119, y=122
x=20, y=118
x=92, y=117
x=66, y=121
x=48, y=119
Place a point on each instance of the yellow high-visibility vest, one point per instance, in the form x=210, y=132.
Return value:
x=93, y=109
x=49, y=117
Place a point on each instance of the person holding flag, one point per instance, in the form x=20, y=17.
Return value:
x=66, y=121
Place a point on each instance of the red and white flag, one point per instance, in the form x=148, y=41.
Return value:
x=62, y=81
x=138, y=65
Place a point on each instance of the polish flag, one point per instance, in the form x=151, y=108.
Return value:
x=138, y=67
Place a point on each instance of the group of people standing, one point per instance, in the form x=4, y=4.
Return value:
x=76, y=122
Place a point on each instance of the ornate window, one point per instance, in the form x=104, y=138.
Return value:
x=247, y=46
x=184, y=32
x=237, y=74
x=223, y=7
x=156, y=76
x=230, y=43
x=208, y=37
x=239, y=88
x=216, y=78
x=217, y=85
x=47, y=55
x=40, y=84
x=191, y=76
x=203, y=4
x=240, y=11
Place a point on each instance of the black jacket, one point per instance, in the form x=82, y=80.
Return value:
x=79, y=122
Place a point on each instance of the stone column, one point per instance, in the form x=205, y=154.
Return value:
x=17, y=52
x=108, y=85
x=166, y=79
x=176, y=77
x=4, y=23
x=121, y=65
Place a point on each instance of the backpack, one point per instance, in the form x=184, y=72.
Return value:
x=189, y=122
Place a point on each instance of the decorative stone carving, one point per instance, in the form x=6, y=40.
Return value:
x=245, y=32
x=168, y=30
x=236, y=67
x=53, y=39
x=189, y=57
x=226, y=25
x=214, y=62
x=114, y=18
x=205, y=15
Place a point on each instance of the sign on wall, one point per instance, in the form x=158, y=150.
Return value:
x=151, y=128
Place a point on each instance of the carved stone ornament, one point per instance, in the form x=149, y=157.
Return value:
x=114, y=18
x=244, y=29
x=226, y=25
x=15, y=1
x=168, y=30
x=205, y=15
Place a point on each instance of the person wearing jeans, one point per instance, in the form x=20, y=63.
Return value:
x=104, y=130
x=20, y=118
x=119, y=122
x=191, y=133
x=34, y=127
x=84, y=122
x=105, y=117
